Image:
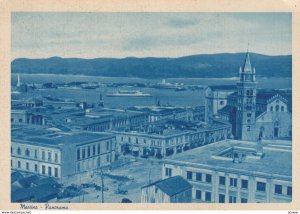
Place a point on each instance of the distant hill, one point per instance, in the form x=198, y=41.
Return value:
x=202, y=65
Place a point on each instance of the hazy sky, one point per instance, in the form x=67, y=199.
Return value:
x=92, y=35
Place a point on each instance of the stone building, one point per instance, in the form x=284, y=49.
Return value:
x=60, y=154
x=170, y=138
x=233, y=171
x=170, y=190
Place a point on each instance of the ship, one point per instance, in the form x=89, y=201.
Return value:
x=128, y=93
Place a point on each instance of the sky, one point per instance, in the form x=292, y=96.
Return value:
x=119, y=35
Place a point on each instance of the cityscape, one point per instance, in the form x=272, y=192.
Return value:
x=104, y=138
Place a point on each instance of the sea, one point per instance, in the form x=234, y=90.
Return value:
x=185, y=98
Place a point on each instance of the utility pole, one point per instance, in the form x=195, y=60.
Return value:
x=102, y=186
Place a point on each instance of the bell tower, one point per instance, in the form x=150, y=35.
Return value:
x=246, y=101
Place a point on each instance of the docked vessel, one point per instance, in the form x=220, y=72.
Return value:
x=128, y=93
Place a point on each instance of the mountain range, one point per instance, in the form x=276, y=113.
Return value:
x=201, y=66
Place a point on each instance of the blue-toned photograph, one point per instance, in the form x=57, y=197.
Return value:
x=151, y=107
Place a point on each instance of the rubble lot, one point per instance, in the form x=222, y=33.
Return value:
x=123, y=181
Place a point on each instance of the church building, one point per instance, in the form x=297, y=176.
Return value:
x=253, y=113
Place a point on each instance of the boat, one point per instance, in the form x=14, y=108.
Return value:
x=128, y=93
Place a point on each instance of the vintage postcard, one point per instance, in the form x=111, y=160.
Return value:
x=181, y=108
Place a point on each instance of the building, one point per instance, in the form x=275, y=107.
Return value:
x=216, y=99
x=170, y=190
x=253, y=113
x=98, y=120
x=171, y=137
x=27, y=115
x=58, y=154
x=232, y=171
x=33, y=189
x=163, y=113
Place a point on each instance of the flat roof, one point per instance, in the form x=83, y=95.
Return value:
x=60, y=139
x=277, y=158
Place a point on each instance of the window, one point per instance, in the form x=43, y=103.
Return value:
x=271, y=108
x=221, y=198
x=277, y=107
x=11, y=150
x=208, y=178
x=233, y=182
x=136, y=140
x=282, y=108
x=122, y=138
x=107, y=158
x=56, y=172
x=19, y=151
x=261, y=186
x=43, y=170
x=168, y=172
x=94, y=150
x=222, y=180
x=107, y=145
x=83, y=153
x=221, y=102
x=198, y=194
x=278, y=189
x=27, y=152
x=189, y=175
x=244, y=200
x=244, y=184
x=49, y=156
x=89, y=151
x=43, y=155
x=35, y=154
x=249, y=115
x=19, y=164
x=56, y=157
x=232, y=199
x=49, y=171
x=289, y=191
x=198, y=176
x=207, y=196
x=248, y=128
x=20, y=120
x=27, y=166
x=78, y=154
x=98, y=149
x=35, y=167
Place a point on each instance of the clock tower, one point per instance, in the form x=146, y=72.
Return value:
x=246, y=102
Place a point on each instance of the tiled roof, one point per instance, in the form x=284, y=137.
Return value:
x=41, y=193
x=26, y=182
x=16, y=176
x=172, y=185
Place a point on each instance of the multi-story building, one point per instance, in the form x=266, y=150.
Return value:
x=25, y=115
x=170, y=138
x=59, y=154
x=233, y=171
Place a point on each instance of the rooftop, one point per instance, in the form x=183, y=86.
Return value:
x=276, y=161
x=45, y=137
x=172, y=185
